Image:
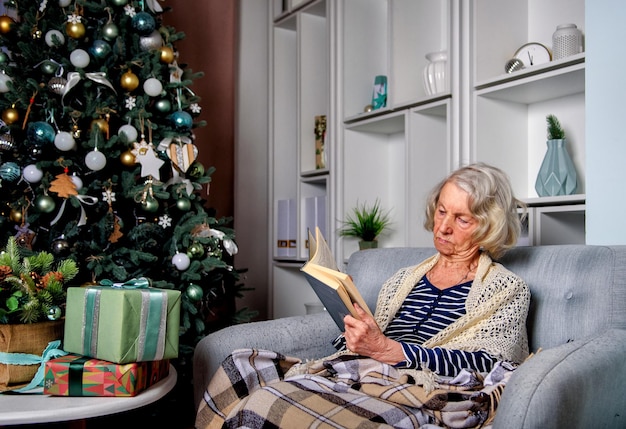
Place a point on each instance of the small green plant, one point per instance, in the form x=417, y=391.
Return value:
x=365, y=222
x=555, y=130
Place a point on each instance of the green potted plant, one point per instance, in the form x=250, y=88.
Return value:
x=32, y=297
x=366, y=223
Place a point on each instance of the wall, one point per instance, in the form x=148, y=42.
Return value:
x=251, y=175
x=210, y=28
x=605, y=116
x=228, y=42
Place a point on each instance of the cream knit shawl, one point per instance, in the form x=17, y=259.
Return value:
x=496, y=310
x=495, y=319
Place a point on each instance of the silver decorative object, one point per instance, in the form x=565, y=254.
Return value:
x=513, y=65
x=57, y=84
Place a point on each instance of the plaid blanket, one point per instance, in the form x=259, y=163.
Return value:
x=250, y=390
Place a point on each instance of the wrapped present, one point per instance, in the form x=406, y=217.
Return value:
x=76, y=375
x=130, y=322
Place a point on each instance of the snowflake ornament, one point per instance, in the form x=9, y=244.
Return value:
x=74, y=18
x=195, y=108
x=131, y=102
x=108, y=196
x=43, y=5
x=129, y=10
x=165, y=221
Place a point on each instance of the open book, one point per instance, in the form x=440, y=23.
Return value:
x=334, y=288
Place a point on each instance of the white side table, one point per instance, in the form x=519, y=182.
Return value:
x=18, y=409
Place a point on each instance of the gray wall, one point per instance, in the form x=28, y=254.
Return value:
x=251, y=142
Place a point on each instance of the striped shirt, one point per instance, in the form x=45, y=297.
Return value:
x=426, y=311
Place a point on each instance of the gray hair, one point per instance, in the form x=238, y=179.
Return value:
x=492, y=203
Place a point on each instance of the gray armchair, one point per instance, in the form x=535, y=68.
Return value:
x=577, y=318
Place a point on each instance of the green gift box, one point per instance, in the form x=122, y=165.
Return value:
x=122, y=325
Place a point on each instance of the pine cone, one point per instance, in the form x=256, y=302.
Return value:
x=53, y=275
x=5, y=271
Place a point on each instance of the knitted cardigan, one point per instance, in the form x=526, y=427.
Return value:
x=496, y=310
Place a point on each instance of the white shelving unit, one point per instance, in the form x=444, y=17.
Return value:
x=326, y=55
x=300, y=91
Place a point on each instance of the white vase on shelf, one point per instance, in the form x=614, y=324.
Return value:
x=435, y=76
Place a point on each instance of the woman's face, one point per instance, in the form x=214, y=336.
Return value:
x=454, y=223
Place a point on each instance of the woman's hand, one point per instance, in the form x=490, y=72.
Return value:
x=365, y=338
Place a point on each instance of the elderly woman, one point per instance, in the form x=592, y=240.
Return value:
x=439, y=328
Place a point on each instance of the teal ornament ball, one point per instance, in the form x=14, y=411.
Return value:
x=40, y=133
x=45, y=204
x=118, y=3
x=100, y=49
x=110, y=31
x=143, y=23
x=181, y=121
x=194, y=292
x=150, y=205
x=163, y=105
x=183, y=204
x=9, y=171
x=54, y=313
x=48, y=67
x=4, y=58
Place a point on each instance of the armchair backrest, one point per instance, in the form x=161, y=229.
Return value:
x=577, y=290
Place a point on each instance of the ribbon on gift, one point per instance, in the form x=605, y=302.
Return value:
x=152, y=324
x=51, y=351
x=83, y=199
x=74, y=77
x=75, y=376
x=136, y=283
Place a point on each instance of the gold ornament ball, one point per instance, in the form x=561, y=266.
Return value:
x=102, y=125
x=76, y=30
x=6, y=24
x=127, y=158
x=15, y=215
x=166, y=54
x=10, y=115
x=129, y=81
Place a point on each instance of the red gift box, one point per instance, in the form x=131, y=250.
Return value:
x=76, y=375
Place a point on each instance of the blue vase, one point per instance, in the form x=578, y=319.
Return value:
x=557, y=175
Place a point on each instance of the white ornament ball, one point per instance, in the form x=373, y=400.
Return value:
x=65, y=3
x=95, y=160
x=4, y=80
x=32, y=173
x=79, y=58
x=181, y=261
x=129, y=131
x=78, y=182
x=64, y=141
x=152, y=87
x=54, y=38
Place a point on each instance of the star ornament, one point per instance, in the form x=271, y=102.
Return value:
x=145, y=155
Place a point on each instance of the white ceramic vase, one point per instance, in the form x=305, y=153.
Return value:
x=435, y=76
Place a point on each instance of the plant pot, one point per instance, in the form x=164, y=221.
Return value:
x=368, y=244
x=557, y=175
x=30, y=338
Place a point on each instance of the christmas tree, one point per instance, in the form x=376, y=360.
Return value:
x=98, y=161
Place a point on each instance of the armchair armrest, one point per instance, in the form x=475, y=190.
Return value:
x=305, y=337
x=577, y=385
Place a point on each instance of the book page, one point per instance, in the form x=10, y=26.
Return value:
x=320, y=252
